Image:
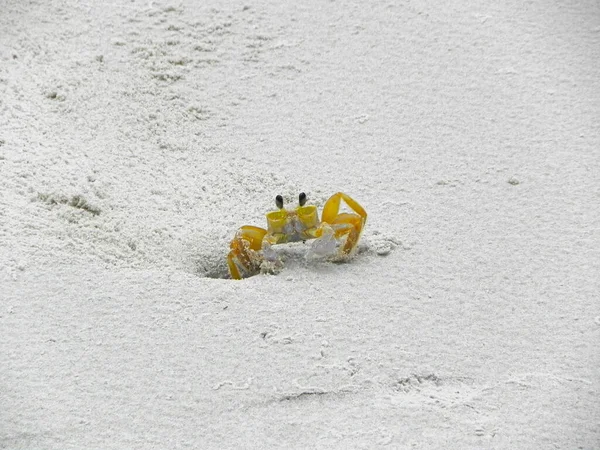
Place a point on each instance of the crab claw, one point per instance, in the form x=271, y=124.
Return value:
x=326, y=244
x=245, y=257
x=338, y=234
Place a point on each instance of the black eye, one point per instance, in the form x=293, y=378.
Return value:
x=302, y=198
x=279, y=201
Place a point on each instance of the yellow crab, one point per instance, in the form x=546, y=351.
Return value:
x=336, y=234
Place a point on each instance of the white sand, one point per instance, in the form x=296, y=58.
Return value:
x=136, y=137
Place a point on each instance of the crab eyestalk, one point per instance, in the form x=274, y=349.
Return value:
x=279, y=201
x=302, y=199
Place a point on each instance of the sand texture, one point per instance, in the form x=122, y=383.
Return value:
x=137, y=136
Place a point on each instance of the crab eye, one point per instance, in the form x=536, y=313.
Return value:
x=302, y=198
x=279, y=201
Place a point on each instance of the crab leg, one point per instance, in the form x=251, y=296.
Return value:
x=244, y=258
x=349, y=225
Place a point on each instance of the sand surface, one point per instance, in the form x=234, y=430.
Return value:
x=137, y=136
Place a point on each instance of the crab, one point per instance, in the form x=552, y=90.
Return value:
x=336, y=234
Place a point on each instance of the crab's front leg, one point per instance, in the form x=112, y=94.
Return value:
x=339, y=229
x=251, y=252
x=245, y=257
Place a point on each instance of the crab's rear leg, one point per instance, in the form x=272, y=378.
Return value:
x=344, y=225
x=245, y=257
